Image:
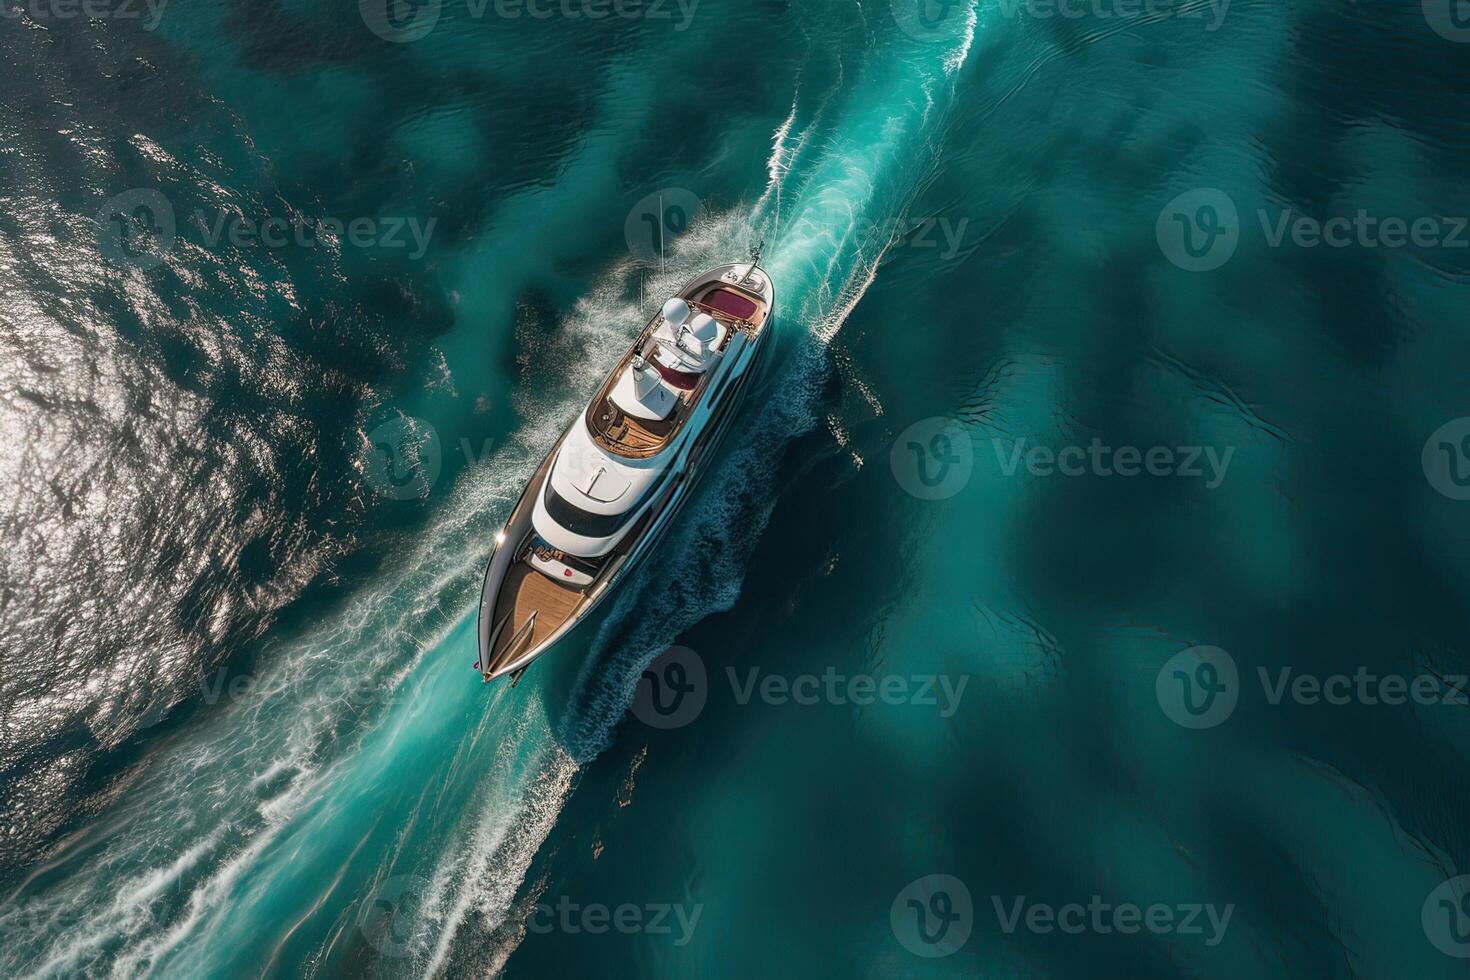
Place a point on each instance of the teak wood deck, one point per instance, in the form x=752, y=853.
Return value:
x=527, y=591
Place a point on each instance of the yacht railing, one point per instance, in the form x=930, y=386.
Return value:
x=508, y=654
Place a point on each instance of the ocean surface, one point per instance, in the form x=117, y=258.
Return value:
x=1077, y=450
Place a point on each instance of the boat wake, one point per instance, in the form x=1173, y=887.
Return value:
x=364, y=771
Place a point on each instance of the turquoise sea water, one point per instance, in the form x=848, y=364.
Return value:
x=241, y=735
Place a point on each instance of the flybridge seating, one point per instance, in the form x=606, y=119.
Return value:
x=683, y=347
x=648, y=396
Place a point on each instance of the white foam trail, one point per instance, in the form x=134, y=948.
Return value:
x=128, y=911
x=512, y=828
x=955, y=60
x=778, y=165
x=826, y=268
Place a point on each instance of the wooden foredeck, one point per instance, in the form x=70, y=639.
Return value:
x=527, y=591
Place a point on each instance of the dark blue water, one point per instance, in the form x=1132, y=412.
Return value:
x=1117, y=387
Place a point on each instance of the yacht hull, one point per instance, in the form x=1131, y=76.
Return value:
x=523, y=612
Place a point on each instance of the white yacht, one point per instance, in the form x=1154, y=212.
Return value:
x=614, y=480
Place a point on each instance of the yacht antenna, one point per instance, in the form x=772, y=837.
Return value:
x=660, y=234
x=755, y=259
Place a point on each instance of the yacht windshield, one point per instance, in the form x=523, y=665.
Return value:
x=579, y=521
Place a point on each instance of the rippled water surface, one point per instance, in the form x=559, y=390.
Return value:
x=294, y=296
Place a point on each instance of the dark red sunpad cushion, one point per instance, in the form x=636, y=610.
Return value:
x=731, y=303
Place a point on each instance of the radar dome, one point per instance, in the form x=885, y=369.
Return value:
x=676, y=311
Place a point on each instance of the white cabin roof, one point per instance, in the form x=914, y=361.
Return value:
x=596, y=480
